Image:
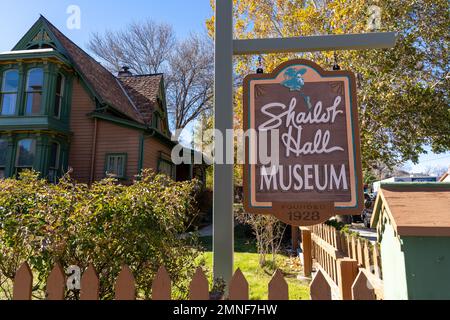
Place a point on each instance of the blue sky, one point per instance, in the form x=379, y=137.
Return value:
x=429, y=160
x=186, y=16
x=17, y=16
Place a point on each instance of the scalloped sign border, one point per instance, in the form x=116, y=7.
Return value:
x=305, y=213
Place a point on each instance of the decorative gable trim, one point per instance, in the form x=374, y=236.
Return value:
x=39, y=35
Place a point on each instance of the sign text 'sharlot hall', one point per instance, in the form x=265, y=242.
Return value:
x=318, y=170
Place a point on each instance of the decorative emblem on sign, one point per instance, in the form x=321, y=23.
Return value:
x=295, y=82
x=311, y=118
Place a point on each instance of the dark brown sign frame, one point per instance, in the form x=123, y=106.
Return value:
x=312, y=211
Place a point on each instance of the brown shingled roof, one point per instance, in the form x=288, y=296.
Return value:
x=143, y=90
x=103, y=82
x=417, y=210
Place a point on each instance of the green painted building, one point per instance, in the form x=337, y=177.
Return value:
x=61, y=110
x=413, y=225
x=35, y=89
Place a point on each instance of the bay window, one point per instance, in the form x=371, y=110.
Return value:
x=9, y=90
x=35, y=84
x=58, y=96
x=3, y=151
x=26, y=153
x=54, y=162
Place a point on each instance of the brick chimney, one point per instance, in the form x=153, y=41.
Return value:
x=125, y=72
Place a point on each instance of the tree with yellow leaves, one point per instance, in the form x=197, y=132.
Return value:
x=403, y=92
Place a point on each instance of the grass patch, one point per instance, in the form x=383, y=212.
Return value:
x=247, y=259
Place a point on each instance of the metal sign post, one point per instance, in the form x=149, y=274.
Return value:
x=223, y=220
x=225, y=48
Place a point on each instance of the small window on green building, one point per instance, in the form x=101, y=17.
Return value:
x=3, y=150
x=35, y=84
x=8, y=97
x=54, y=163
x=26, y=153
x=116, y=165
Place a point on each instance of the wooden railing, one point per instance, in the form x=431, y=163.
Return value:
x=348, y=266
x=125, y=286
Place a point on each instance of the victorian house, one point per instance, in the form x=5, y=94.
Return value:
x=61, y=110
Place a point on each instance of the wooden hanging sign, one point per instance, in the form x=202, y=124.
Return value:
x=303, y=162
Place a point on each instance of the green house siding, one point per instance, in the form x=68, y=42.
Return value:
x=44, y=128
x=51, y=72
x=427, y=261
x=393, y=266
x=415, y=268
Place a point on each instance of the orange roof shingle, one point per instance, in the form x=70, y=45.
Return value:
x=103, y=82
x=144, y=91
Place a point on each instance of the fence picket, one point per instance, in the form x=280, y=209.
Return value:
x=278, y=287
x=320, y=289
x=56, y=283
x=125, y=285
x=348, y=271
x=23, y=283
x=89, y=284
x=332, y=237
x=366, y=255
x=162, y=286
x=354, y=251
x=336, y=243
x=376, y=262
x=361, y=290
x=349, y=245
x=199, y=287
x=340, y=255
x=342, y=239
x=309, y=252
x=238, y=289
x=359, y=249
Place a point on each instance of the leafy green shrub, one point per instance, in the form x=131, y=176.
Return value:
x=107, y=224
x=336, y=224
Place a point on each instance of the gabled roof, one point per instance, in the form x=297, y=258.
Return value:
x=415, y=209
x=144, y=91
x=103, y=82
x=104, y=85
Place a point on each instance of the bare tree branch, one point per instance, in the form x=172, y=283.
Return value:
x=151, y=48
x=190, y=90
x=144, y=47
